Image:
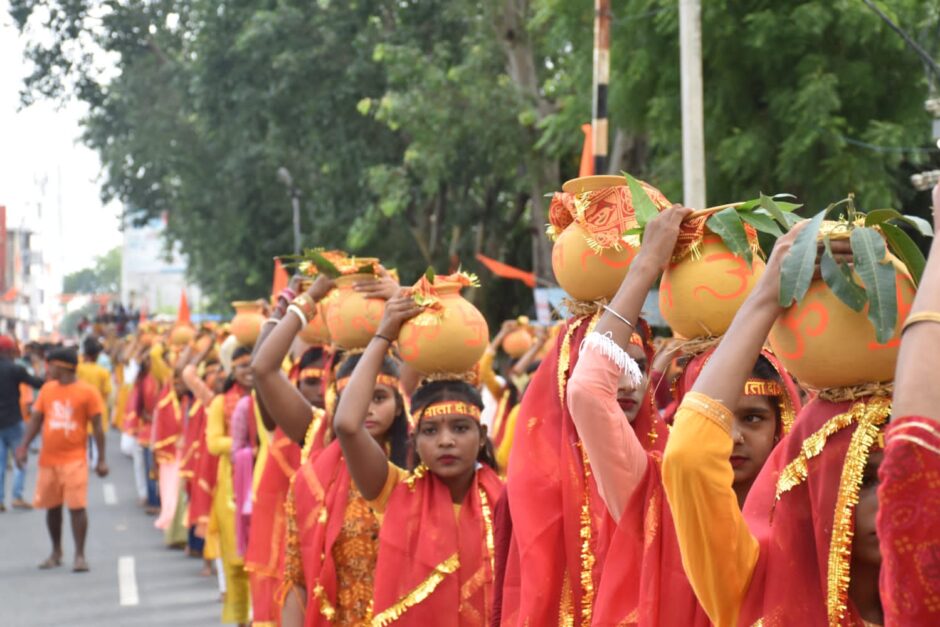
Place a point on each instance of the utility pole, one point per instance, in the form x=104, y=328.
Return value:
x=599, y=131
x=284, y=176
x=693, y=124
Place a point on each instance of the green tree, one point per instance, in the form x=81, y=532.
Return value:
x=104, y=277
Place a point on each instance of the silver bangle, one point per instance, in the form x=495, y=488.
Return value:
x=297, y=311
x=619, y=317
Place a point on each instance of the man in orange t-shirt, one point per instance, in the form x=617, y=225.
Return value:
x=63, y=410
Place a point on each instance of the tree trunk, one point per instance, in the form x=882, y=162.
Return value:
x=511, y=25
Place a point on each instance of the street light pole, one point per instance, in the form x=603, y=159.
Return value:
x=284, y=176
x=693, y=126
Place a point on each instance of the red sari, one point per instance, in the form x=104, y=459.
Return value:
x=193, y=433
x=801, y=510
x=264, y=559
x=908, y=523
x=167, y=427
x=435, y=568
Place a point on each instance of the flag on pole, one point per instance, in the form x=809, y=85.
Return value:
x=587, y=152
x=506, y=271
x=281, y=279
x=182, y=315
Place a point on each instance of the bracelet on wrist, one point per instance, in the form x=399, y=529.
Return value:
x=920, y=316
x=382, y=337
x=306, y=304
x=297, y=311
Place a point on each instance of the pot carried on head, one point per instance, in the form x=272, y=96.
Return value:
x=351, y=318
x=588, y=221
x=705, y=283
x=825, y=344
x=246, y=325
x=451, y=335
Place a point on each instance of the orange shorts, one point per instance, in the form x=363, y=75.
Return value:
x=62, y=483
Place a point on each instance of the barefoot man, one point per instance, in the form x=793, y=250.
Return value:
x=63, y=410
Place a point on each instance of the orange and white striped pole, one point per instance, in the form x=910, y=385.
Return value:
x=599, y=130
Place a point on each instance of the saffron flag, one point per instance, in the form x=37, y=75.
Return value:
x=587, y=152
x=281, y=280
x=182, y=315
x=506, y=271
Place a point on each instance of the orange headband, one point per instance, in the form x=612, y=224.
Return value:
x=244, y=360
x=451, y=408
x=382, y=379
x=62, y=364
x=311, y=373
x=762, y=387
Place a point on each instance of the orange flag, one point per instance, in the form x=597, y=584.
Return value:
x=587, y=152
x=281, y=280
x=182, y=315
x=506, y=271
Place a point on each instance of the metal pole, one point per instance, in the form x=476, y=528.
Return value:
x=295, y=202
x=601, y=80
x=693, y=125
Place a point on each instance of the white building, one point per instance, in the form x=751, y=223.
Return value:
x=151, y=277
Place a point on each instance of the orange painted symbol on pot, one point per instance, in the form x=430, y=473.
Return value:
x=740, y=270
x=475, y=323
x=410, y=346
x=794, y=323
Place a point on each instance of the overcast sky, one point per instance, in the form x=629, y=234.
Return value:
x=41, y=143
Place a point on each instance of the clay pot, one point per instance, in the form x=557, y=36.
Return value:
x=518, y=342
x=699, y=295
x=316, y=332
x=583, y=273
x=182, y=334
x=825, y=344
x=449, y=341
x=351, y=318
x=246, y=325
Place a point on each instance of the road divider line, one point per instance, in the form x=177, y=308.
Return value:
x=127, y=581
x=110, y=494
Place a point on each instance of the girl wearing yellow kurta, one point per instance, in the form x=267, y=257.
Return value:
x=768, y=565
x=236, y=607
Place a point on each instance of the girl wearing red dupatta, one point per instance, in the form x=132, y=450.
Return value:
x=264, y=559
x=435, y=562
x=908, y=499
x=335, y=533
x=804, y=550
x=612, y=406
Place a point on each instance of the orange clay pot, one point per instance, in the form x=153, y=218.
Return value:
x=246, y=325
x=518, y=342
x=583, y=273
x=316, y=332
x=824, y=344
x=182, y=334
x=449, y=341
x=698, y=296
x=351, y=318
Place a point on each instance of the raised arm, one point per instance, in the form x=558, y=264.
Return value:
x=367, y=462
x=915, y=390
x=617, y=458
x=283, y=402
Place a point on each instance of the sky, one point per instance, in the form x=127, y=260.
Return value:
x=41, y=143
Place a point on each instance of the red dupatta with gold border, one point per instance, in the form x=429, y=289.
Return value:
x=435, y=567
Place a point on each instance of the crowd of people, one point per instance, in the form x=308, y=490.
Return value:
x=582, y=473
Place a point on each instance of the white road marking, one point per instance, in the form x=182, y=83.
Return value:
x=127, y=581
x=110, y=494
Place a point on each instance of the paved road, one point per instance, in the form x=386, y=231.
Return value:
x=170, y=590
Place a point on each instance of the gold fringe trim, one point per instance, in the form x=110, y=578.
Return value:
x=488, y=528
x=312, y=429
x=696, y=345
x=419, y=594
x=293, y=562
x=843, y=524
x=565, y=609
x=470, y=376
x=587, y=549
x=583, y=308
x=418, y=473
x=326, y=608
x=564, y=358
x=797, y=470
x=855, y=392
